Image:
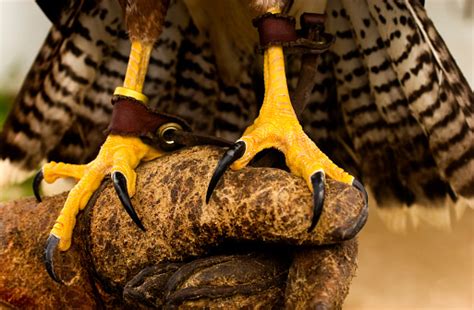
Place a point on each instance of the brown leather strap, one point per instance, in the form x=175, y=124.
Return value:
x=279, y=29
x=309, y=20
x=312, y=28
x=274, y=29
x=185, y=138
x=132, y=118
x=176, y=138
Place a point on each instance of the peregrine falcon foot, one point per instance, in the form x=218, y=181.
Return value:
x=120, y=185
x=277, y=126
x=118, y=156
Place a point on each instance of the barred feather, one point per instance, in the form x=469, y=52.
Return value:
x=64, y=106
x=431, y=98
x=389, y=103
x=51, y=99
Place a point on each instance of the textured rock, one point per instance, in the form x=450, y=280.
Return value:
x=254, y=204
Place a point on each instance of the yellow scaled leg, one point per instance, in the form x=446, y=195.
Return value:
x=118, y=156
x=277, y=126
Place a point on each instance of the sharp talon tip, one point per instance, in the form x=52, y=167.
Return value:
x=208, y=195
x=51, y=246
x=235, y=152
x=120, y=185
x=357, y=184
x=317, y=180
x=36, y=184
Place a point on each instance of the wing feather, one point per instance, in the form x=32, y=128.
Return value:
x=440, y=101
x=50, y=100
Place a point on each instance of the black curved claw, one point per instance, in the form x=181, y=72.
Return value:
x=357, y=184
x=36, y=184
x=120, y=185
x=317, y=180
x=51, y=245
x=233, y=153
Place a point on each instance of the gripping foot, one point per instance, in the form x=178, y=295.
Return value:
x=119, y=156
x=277, y=126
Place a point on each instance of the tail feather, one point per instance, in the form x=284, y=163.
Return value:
x=433, y=98
x=408, y=120
x=375, y=142
x=445, y=60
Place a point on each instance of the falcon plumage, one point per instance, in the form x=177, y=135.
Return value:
x=389, y=103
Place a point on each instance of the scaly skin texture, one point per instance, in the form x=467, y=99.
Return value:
x=117, y=154
x=137, y=66
x=122, y=154
x=277, y=126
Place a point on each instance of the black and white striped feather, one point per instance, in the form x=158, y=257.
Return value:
x=389, y=103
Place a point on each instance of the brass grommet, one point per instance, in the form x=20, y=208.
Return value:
x=165, y=130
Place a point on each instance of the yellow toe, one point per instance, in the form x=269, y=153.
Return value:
x=53, y=171
x=118, y=153
x=277, y=126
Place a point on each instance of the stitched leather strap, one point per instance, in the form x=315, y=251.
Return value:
x=274, y=29
x=279, y=29
x=132, y=118
x=159, y=130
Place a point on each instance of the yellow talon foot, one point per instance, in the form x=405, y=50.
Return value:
x=277, y=126
x=119, y=156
